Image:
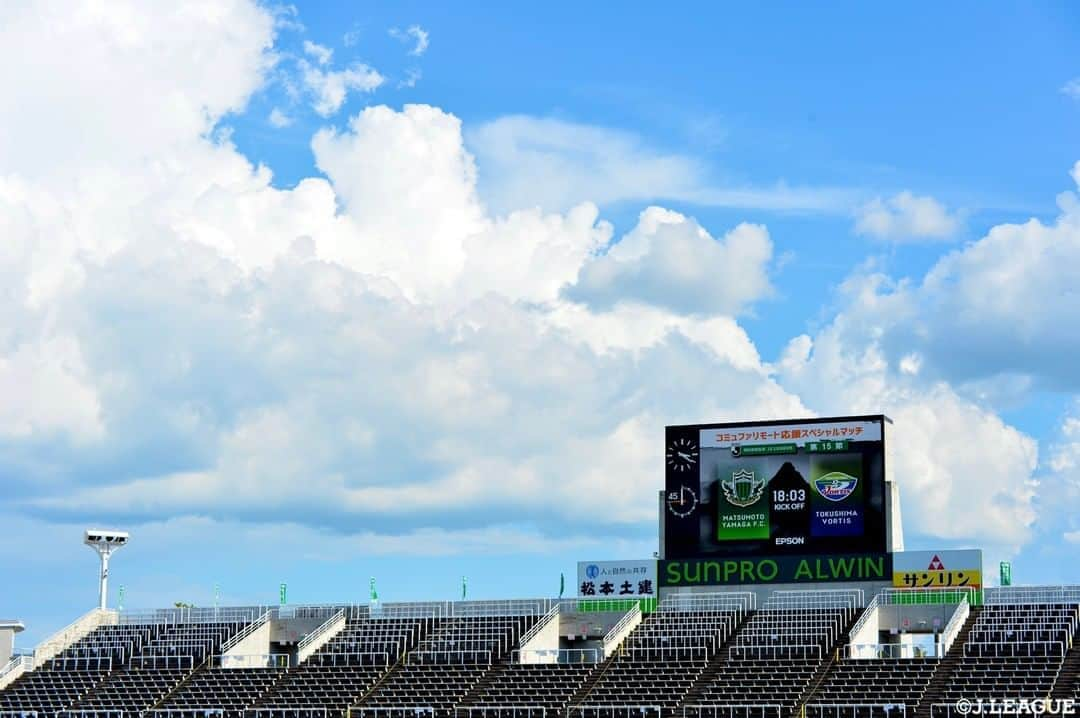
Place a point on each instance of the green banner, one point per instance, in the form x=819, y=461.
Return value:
x=780, y=569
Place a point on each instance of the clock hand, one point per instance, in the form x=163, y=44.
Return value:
x=684, y=456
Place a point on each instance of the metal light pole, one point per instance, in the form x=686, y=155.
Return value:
x=105, y=542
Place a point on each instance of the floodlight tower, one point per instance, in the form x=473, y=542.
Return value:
x=105, y=541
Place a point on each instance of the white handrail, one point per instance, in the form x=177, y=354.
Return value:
x=541, y=624
x=307, y=644
x=864, y=617
x=633, y=614
x=952, y=628
x=15, y=668
x=247, y=631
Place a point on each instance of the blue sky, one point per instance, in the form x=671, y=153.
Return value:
x=329, y=291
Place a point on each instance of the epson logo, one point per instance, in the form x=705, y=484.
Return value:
x=790, y=540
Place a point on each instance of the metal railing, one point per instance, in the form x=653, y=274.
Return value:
x=298, y=712
x=552, y=614
x=18, y=714
x=796, y=650
x=618, y=632
x=556, y=655
x=308, y=645
x=355, y=658
x=875, y=651
x=613, y=710
x=101, y=663
x=185, y=713
x=1015, y=649
x=494, y=711
x=1031, y=594
x=251, y=660
x=864, y=617
x=952, y=628
x=856, y=710
x=89, y=713
x=478, y=657
x=17, y=663
x=247, y=631
x=733, y=710
x=387, y=712
x=718, y=601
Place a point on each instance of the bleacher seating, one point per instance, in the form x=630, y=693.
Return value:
x=879, y=681
x=1014, y=651
x=546, y=686
x=448, y=663
x=346, y=667
x=158, y=667
x=702, y=658
x=775, y=654
x=230, y=689
x=661, y=659
x=73, y=673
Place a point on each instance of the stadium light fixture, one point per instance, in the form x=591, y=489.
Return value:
x=104, y=542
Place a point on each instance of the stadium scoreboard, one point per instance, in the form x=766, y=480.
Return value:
x=776, y=489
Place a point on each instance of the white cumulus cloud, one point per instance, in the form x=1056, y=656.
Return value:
x=670, y=261
x=906, y=217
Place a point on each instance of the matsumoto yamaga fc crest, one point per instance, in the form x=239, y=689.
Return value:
x=743, y=489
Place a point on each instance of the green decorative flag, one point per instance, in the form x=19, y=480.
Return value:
x=120, y=604
x=374, y=593
x=283, y=593
x=464, y=583
x=562, y=584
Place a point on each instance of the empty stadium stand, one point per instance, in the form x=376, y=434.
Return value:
x=447, y=664
x=663, y=658
x=697, y=655
x=347, y=666
x=1013, y=651
x=775, y=656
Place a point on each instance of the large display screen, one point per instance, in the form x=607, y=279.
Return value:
x=814, y=486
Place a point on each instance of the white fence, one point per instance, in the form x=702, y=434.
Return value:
x=551, y=615
x=317, y=638
x=1031, y=594
x=614, y=710
x=874, y=651
x=493, y=711
x=733, y=710
x=856, y=710
x=556, y=655
x=620, y=630
x=253, y=660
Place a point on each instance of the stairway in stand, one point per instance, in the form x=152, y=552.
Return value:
x=1068, y=680
x=944, y=672
x=719, y=662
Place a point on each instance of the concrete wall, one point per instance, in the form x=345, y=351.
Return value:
x=544, y=646
x=588, y=624
x=251, y=652
x=7, y=645
x=292, y=630
x=870, y=630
